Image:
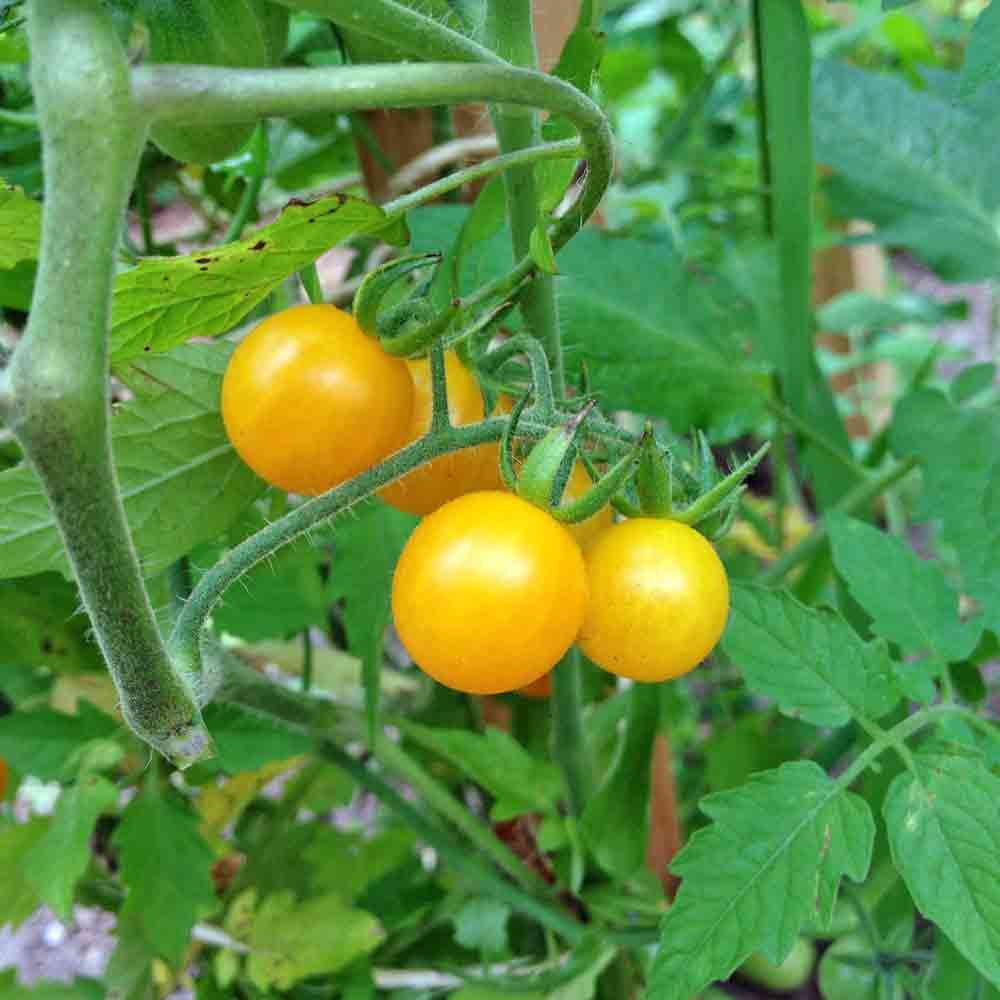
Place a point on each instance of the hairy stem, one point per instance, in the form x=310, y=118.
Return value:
x=508, y=30
x=57, y=384
x=569, y=747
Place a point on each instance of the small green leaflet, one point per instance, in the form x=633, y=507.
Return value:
x=62, y=855
x=809, y=660
x=19, y=898
x=944, y=831
x=166, y=865
x=165, y=301
x=246, y=740
x=783, y=841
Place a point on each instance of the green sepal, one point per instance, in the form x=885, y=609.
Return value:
x=604, y=491
x=377, y=283
x=619, y=501
x=508, y=473
x=724, y=490
x=409, y=329
x=548, y=465
x=654, y=479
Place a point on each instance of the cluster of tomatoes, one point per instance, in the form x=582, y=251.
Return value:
x=490, y=591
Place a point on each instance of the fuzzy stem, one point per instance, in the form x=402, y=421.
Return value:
x=508, y=29
x=57, y=383
x=569, y=745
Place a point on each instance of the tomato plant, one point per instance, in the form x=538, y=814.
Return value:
x=658, y=600
x=309, y=400
x=494, y=550
x=542, y=348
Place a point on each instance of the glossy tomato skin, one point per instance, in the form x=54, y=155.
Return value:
x=309, y=400
x=658, y=600
x=425, y=489
x=489, y=593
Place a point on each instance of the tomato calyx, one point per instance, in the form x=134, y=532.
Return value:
x=546, y=471
x=377, y=284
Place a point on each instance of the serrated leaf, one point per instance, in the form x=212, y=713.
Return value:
x=959, y=453
x=61, y=857
x=369, y=539
x=520, y=783
x=908, y=598
x=944, y=830
x=808, y=659
x=19, y=898
x=181, y=481
x=784, y=841
x=657, y=338
x=166, y=865
x=46, y=743
x=246, y=740
x=165, y=301
x=347, y=863
x=913, y=163
x=291, y=941
x=20, y=226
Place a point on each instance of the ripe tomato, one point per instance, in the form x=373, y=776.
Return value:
x=489, y=593
x=427, y=488
x=309, y=401
x=658, y=600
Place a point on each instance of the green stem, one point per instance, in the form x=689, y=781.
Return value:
x=209, y=95
x=565, y=149
x=857, y=498
x=400, y=26
x=23, y=119
x=57, y=383
x=307, y=660
x=439, y=799
x=251, y=194
x=508, y=29
x=547, y=914
x=185, y=638
x=814, y=437
x=569, y=745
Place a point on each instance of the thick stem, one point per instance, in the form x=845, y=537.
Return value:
x=205, y=94
x=569, y=746
x=57, y=401
x=508, y=30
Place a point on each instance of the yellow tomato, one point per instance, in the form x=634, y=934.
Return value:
x=658, y=600
x=309, y=400
x=489, y=593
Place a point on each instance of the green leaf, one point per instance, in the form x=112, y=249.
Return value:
x=615, y=822
x=291, y=941
x=481, y=926
x=656, y=340
x=166, y=865
x=944, y=831
x=863, y=311
x=17, y=284
x=972, y=381
x=908, y=598
x=914, y=164
x=952, y=976
x=129, y=973
x=541, y=249
x=47, y=744
x=20, y=226
x=368, y=542
x=20, y=897
x=181, y=481
x=519, y=782
x=782, y=842
x=756, y=742
x=61, y=857
x=347, y=863
x=982, y=53
x=163, y=302
x=44, y=625
x=48, y=989
x=246, y=741
x=960, y=455
x=809, y=660
x=579, y=58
